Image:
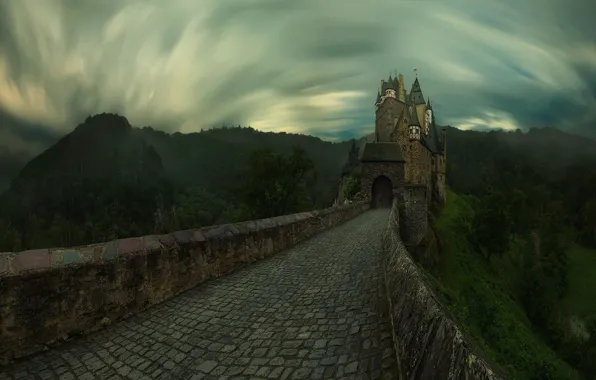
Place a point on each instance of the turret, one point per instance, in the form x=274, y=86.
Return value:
x=388, y=111
x=414, y=126
x=388, y=88
x=378, y=101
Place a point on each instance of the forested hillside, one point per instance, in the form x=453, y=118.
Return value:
x=108, y=180
x=515, y=248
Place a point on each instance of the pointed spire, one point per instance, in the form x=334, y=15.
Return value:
x=378, y=97
x=416, y=96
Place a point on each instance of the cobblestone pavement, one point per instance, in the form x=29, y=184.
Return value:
x=312, y=312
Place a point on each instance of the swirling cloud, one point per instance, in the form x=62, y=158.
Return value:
x=297, y=66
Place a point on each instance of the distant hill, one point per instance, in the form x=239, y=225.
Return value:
x=107, y=179
x=10, y=164
x=215, y=159
x=98, y=170
x=552, y=154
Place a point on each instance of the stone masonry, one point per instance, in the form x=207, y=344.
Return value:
x=415, y=222
x=428, y=343
x=314, y=311
x=372, y=170
x=47, y=296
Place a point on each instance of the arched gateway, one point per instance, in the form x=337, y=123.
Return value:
x=382, y=173
x=382, y=192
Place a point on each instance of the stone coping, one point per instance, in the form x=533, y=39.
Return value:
x=39, y=260
x=48, y=296
x=428, y=343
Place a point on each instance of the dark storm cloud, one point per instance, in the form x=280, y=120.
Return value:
x=299, y=66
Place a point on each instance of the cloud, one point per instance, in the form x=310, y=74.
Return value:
x=296, y=66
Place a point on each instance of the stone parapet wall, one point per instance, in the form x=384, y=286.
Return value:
x=49, y=295
x=428, y=343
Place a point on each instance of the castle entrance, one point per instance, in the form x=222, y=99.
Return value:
x=382, y=192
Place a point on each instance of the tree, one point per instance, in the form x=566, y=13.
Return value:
x=352, y=185
x=588, y=214
x=10, y=239
x=277, y=185
x=491, y=225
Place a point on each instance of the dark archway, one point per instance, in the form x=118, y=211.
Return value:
x=382, y=192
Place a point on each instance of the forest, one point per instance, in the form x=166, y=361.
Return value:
x=516, y=238
x=517, y=244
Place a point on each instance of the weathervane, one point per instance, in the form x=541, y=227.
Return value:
x=416, y=72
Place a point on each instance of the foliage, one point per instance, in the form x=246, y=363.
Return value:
x=485, y=302
x=490, y=224
x=352, y=185
x=278, y=185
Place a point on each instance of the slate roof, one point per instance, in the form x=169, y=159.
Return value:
x=416, y=96
x=392, y=83
x=382, y=152
x=414, y=117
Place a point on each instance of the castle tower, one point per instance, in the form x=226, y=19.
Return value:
x=417, y=99
x=414, y=126
x=388, y=110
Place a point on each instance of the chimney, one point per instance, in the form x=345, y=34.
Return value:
x=444, y=137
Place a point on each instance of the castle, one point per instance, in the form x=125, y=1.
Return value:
x=405, y=157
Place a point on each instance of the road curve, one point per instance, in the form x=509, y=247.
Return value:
x=314, y=311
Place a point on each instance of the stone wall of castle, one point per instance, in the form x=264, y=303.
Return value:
x=392, y=170
x=386, y=118
x=418, y=164
x=47, y=295
x=400, y=135
x=415, y=221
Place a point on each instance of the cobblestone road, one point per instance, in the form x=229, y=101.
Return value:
x=312, y=312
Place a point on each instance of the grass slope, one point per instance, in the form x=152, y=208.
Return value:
x=483, y=301
x=581, y=297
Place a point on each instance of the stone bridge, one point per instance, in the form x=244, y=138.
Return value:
x=330, y=294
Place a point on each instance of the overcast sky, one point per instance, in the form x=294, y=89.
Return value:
x=305, y=66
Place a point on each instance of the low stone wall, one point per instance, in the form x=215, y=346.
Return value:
x=48, y=295
x=428, y=344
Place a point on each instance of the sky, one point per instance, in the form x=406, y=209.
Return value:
x=299, y=66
